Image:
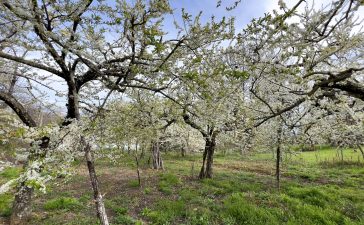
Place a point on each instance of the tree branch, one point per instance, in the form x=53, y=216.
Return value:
x=18, y=108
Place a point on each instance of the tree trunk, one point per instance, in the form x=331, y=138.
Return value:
x=361, y=150
x=202, y=171
x=156, y=156
x=137, y=162
x=183, y=151
x=278, y=159
x=142, y=153
x=129, y=148
x=278, y=166
x=73, y=108
x=208, y=159
x=73, y=112
x=138, y=170
x=21, y=210
x=100, y=208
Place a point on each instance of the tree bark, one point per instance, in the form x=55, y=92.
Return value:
x=21, y=210
x=18, y=108
x=208, y=159
x=138, y=170
x=100, y=207
x=142, y=152
x=73, y=108
x=278, y=167
x=137, y=163
x=361, y=150
x=156, y=156
x=278, y=159
x=202, y=171
x=183, y=151
x=22, y=205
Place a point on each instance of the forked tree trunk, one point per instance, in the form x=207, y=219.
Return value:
x=208, y=159
x=210, y=144
x=99, y=203
x=156, y=156
x=202, y=171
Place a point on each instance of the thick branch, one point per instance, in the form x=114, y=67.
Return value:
x=18, y=108
x=188, y=120
x=30, y=63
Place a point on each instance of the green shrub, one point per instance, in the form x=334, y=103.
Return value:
x=63, y=203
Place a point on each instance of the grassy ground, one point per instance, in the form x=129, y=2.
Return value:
x=317, y=188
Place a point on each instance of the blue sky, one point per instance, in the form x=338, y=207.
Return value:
x=244, y=12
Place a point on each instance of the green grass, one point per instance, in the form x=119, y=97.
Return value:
x=321, y=155
x=10, y=173
x=167, y=181
x=242, y=211
x=63, y=203
x=165, y=211
x=134, y=183
x=243, y=191
x=5, y=204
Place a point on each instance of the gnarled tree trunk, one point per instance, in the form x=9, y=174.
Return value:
x=22, y=205
x=21, y=210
